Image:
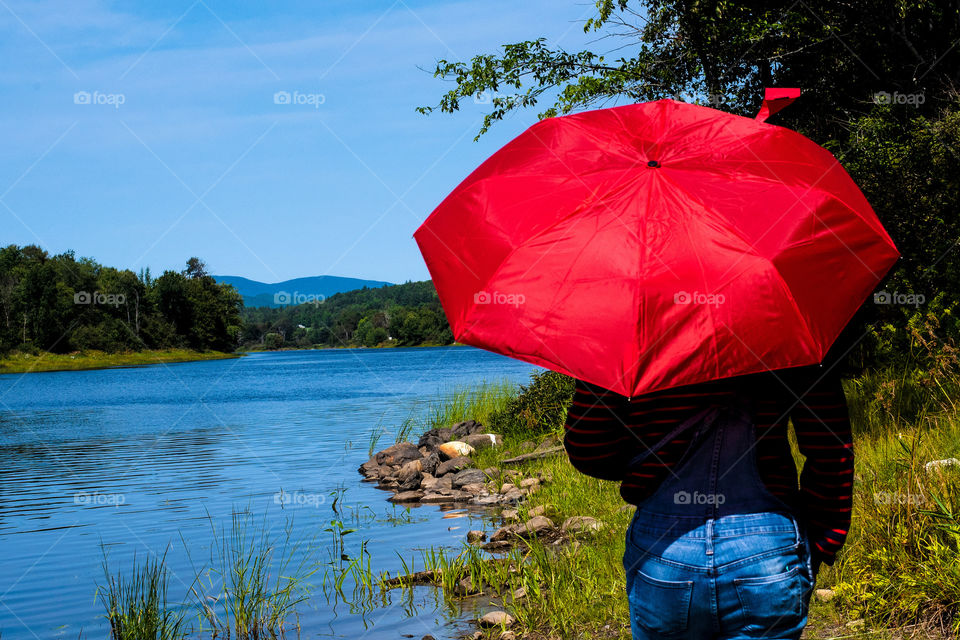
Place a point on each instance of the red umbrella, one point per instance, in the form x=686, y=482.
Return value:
x=654, y=245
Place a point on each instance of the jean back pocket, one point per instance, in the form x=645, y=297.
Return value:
x=772, y=603
x=660, y=606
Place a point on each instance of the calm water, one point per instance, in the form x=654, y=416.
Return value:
x=136, y=461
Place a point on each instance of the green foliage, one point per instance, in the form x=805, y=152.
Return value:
x=136, y=607
x=540, y=406
x=400, y=315
x=60, y=304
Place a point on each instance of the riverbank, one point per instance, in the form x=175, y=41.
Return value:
x=382, y=345
x=896, y=577
x=28, y=363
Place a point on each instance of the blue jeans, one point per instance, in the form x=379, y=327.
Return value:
x=744, y=575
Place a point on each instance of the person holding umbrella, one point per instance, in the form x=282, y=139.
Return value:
x=723, y=544
x=692, y=270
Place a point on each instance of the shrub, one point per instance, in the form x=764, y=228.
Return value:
x=540, y=406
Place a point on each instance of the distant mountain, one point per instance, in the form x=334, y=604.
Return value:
x=296, y=291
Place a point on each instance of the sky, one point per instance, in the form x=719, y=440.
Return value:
x=273, y=140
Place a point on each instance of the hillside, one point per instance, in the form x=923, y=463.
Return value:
x=295, y=291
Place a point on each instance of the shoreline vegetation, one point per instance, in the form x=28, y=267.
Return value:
x=548, y=562
x=20, y=362
x=897, y=576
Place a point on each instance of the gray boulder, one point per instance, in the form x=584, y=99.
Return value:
x=468, y=476
x=398, y=454
x=466, y=428
x=434, y=437
x=454, y=464
x=430, y=463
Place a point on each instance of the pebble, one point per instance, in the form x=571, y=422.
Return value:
x=476, y=536
x=496, y=619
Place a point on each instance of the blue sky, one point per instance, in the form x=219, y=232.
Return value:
x=141, y=134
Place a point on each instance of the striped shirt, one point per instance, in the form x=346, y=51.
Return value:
x=605, y=430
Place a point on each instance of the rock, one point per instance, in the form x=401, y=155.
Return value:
x=530, y=484
x=496, y=619
x=409, y=475
x=369, y=466
x=483, y=440
x=455, y=449
x=548, y=443
x=445, y=482
x=535, y=526
x=390, y=483
x=491, y=471
x=474, y=488
x=503, y=533
x=398, y=454
x=512, y=497
x=468, y=476
x=465, y=588
x=580, y=524
x=824, y=595
x=406, y=496
x=428, y=637
x=447, y=495
x=508, y=635
x=454, y=464
x=537, y=511
x=940, y=464
x=546, y=477
x=428, y=482
x=430, y=462
x=510, y=514
x=506, y=486
x=466, y=428
x=476, y=536
x=519, y=593
x=434, y=438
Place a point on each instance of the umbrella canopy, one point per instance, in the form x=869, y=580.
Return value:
x=653, y=245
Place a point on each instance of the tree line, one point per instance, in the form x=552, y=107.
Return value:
x=62, y=304
x=403, y=315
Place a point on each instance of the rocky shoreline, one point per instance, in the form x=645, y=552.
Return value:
x=439, y=469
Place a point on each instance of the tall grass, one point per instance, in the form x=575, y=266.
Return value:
x=478, y=403
x=136, y=606
x=256, y=579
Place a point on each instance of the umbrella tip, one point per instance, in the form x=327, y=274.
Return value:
x=653, y=164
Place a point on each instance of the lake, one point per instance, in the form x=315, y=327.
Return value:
x=138, y=462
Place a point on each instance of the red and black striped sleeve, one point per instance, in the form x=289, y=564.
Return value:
x=596, y=438
x=822, y=424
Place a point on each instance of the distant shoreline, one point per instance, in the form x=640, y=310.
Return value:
x=379, y=346
x=87, y=360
